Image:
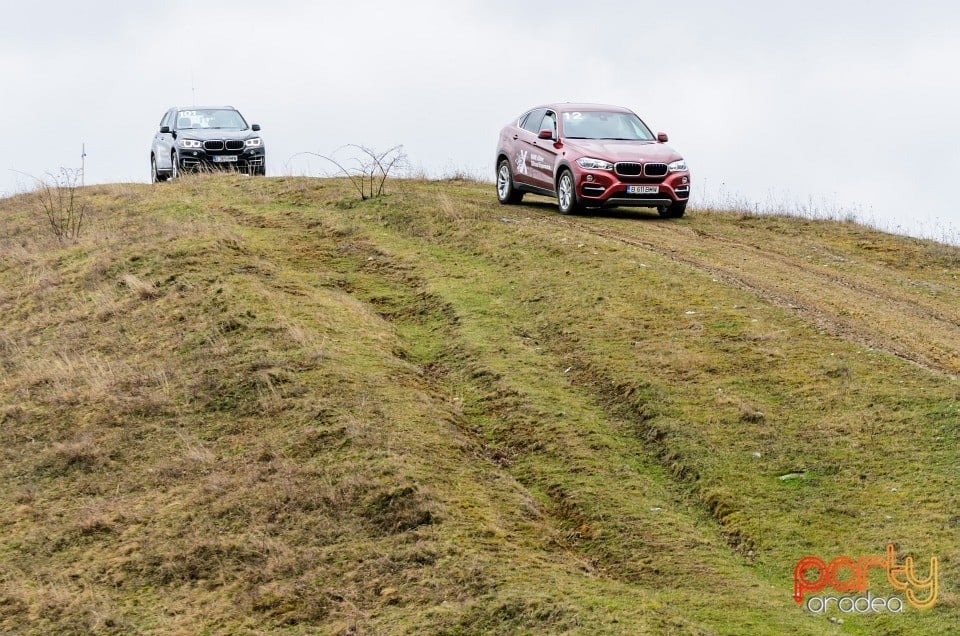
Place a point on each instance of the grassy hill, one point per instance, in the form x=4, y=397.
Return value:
x=245, y=406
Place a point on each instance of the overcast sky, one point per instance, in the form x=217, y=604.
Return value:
x=835, y=105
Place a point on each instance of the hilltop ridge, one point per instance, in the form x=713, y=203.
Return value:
x=263, y=406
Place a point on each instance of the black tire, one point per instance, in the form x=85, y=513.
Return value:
x=507, y=194
x=155, y=176
x=174, y=167
x=673, y=211
x=567, y=199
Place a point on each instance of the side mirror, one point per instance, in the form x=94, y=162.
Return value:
x=255, y=127
x=662, y=138
x=164, y=129
x=546, y=133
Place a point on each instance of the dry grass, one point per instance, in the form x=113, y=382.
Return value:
x=141, y=289
x=249, y=406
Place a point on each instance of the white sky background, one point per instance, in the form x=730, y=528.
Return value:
x=832, y=105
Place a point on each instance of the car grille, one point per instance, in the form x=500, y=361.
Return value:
x=220, y=144
x=655, y=169
x=635, y=169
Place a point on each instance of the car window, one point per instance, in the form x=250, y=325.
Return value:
x=549, y=122
x=533, y=119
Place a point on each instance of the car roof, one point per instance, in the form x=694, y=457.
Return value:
x=179, y=108
x=570, y=107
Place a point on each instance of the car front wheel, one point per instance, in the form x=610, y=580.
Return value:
x=506, y=193
x=155, y=177
x=174, y=166
x=567, y=194
x=673, y=211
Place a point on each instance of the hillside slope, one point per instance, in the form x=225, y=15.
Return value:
x=262, y=406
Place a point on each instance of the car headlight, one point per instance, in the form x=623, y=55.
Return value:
x=590, y=163
x=189, y=143
x=678, y=166
x=255, y=142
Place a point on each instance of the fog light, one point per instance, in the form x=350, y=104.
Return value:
x=589, y=177
x=684, y=179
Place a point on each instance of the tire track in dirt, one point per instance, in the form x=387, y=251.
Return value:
x=572, y=522
x=912, y=328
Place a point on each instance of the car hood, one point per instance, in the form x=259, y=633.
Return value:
x=203, y=134
x=614, y=151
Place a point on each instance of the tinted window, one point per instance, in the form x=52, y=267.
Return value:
x=532, y=121
x=549, y=123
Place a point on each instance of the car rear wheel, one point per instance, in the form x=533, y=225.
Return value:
x=567, y=194
x=506, y=193
x=673, y=211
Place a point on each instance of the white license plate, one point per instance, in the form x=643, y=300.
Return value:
x=224, y=158
x=643, y=189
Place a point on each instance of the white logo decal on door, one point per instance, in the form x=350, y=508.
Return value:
x=522, y=162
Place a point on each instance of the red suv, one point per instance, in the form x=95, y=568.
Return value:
x=588, y=156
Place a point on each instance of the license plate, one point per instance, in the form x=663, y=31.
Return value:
x=224, y=158
x=643, y=189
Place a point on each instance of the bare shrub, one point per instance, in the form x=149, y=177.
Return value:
x=368, y=169
x=58, y=199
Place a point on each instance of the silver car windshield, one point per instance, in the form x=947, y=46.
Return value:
x=605, y=125
x=218, y=118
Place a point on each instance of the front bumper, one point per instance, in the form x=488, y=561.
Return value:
x=249, y=160
x=602, y=188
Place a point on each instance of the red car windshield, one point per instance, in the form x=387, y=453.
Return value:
x=605, y=125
